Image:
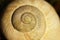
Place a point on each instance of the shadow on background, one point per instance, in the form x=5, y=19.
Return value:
x=4, y=3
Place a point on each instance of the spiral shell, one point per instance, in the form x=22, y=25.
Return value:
x=30, y=20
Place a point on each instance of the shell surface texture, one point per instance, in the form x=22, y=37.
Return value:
x=30, y=20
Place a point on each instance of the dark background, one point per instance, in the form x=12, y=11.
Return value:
x=4, y=3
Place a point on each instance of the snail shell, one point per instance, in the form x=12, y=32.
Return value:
x=30, y=20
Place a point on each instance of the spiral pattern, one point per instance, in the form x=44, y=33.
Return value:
x=30, y=20
x=25, y=18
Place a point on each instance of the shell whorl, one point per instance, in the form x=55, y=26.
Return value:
x=24, y=18
x=27, y=20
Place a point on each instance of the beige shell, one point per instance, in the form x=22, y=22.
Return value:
x=30, y=20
